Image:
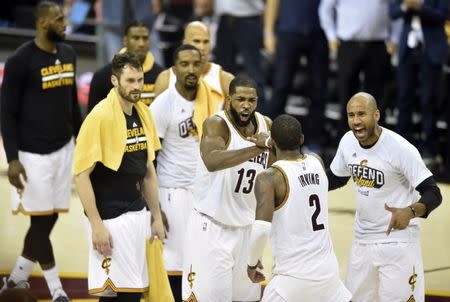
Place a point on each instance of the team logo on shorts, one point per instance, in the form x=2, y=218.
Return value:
x=191, y=277
x=412, y=282
x=106, y=264
x=192, y=298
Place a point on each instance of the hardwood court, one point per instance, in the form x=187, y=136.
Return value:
x=70, y=243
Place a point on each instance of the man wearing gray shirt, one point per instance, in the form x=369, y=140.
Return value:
x=359, y=33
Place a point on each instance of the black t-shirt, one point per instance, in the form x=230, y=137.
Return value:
x=118, y=192
x=40, y=111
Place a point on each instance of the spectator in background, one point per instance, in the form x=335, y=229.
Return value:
x=359, y=33
x=137, y=41
x=423, y=48
x=172, y=16
x=297, y=32
x=240, y=31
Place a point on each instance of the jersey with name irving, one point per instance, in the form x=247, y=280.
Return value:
x=300, y=238
x=227, y=195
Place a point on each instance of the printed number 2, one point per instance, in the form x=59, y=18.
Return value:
x=250, y=175
x=314, y=201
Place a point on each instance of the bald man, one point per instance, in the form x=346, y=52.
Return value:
x=197, y=34
x=385, y=262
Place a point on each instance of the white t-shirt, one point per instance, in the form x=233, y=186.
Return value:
x=300, y=238
x=212, y=78
x=177, y=159
x=388, y=172
x=227, y=195
x=239, y=8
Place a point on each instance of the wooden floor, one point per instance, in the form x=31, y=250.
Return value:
x=70, y=243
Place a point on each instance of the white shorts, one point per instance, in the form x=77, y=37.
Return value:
x=386, y=272
x=49, y=184
x=289, y=289
x=126, y=269
x=177, y=203
x=215, y=262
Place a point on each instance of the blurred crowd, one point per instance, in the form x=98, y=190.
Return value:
x=324, y=51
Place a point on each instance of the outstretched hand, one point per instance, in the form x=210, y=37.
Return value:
x=255, y=274
x=400, y=218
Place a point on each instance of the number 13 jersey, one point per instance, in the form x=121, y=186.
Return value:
x=301, y=243
x=227, y=195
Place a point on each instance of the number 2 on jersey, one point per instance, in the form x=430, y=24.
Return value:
x=314, y=201
x=250, y=177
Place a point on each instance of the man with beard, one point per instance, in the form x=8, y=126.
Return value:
x=40, y=116
x=197, y=34
x=116, y=180
x=136, y=41
x=178, y=118
x=234, y=149
x=385, y=262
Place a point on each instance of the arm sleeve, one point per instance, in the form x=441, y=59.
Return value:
x=434, y=15
x=100, y=87
x=11, y=98
x=336, y=182
x=395, y=9
x=327, y=18
x=430, y=195
x=76, y=112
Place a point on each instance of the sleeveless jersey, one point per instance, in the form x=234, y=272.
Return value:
x=301, y=243
x=178, y=157
x=227, y=195
x=212, y=78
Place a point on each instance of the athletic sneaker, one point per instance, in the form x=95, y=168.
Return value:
x=59, y=295
x=20, y=284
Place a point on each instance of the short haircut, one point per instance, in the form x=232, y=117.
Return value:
x=286, y=132
x=134, y=23
x=43, y=8
x=120, y=60
x=184, y=47
x=241, y=81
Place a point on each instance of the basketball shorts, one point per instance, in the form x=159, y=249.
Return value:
x=283, y=288
x=215, y=262
x=389, y=271
x=49, y=183
x=177, y=203
x=126, y=269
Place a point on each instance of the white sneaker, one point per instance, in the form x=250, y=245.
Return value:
x=59, y=295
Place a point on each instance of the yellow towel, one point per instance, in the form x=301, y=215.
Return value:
x=206, y=104
x=103, y=136
x=159, y=290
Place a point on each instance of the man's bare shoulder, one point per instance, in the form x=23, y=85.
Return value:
x=162, y=81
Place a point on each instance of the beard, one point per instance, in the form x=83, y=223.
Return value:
x=237, y=119
x=53, y=36
x=129, y=97
x=190, y=86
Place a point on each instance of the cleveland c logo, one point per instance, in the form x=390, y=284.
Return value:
x=106, y=263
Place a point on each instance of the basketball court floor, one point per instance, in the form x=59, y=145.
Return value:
x=70, y=243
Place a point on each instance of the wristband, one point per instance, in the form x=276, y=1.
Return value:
x=266, y=142
x=413, y=211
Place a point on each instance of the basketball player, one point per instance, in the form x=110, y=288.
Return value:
x=385, y=262
x=137, y=41
x=116, y=179
x=40, y=116
x=234, y=148
x=197, y=34
x=175, y=119
x=292, y=207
